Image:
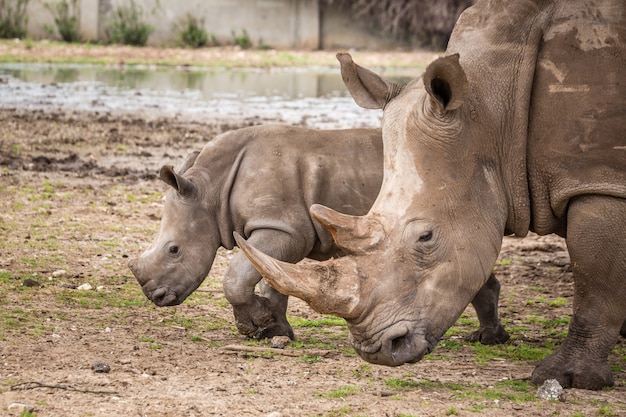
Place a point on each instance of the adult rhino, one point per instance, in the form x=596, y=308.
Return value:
x=260, y=181
x=520, y=126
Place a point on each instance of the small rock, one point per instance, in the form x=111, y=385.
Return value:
x=279, y=342
x=59, y=273
x=101, y=367
x=550, y=390
x=28, y=282
x=84, y=287
x=20, y=408
x=274, y=414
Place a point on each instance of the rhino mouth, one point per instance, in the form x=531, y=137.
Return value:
x=397, y=346
x=164, y=296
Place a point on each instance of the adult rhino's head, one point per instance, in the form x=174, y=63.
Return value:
x=181, y=255
x=431, y=238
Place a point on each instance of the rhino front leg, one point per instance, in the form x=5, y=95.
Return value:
x=596, y=232
x=485, y=303
x=260, y=316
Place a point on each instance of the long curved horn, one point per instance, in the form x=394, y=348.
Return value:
x=354, y=234
x=330, y=287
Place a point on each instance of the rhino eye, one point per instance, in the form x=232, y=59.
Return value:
x=173, y=250
x=425, y=237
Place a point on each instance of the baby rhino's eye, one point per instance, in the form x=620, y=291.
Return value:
x=426, y=236
x=173, y=250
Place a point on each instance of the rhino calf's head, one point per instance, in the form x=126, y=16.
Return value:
x=181, y=255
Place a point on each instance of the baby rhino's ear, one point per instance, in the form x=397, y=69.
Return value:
x=188, y=162
x=182, y=185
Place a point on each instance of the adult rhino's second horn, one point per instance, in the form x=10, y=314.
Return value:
x=330, y=287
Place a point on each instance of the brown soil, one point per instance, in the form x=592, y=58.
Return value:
x=80, y=195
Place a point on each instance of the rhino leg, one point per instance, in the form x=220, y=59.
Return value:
x=595, y=240
x=623, y=331
x=278, y=305
x=485, y=303
x=260, y=316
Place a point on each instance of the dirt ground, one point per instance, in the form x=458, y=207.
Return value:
x=79, y=195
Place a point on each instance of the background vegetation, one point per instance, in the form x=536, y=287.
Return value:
x=425, y=23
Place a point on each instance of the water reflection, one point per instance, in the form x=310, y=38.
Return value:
x=313, y=97
x=285, y=83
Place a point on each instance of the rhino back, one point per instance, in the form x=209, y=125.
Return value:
x=269, y=176
x=577, y=141
x=539, y=95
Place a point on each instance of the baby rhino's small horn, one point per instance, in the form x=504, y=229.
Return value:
x=330, y=287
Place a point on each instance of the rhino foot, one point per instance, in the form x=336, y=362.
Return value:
x=591, y=375
x=489, y=335
x=259, y=321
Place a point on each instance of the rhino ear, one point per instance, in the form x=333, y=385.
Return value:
x=446, y=82
x=181, y=184
x=188, y=162
x=367, y=88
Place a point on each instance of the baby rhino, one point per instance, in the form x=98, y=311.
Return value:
x=260, y=182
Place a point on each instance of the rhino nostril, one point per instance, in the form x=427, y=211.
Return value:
x=398, y=344
x=158, y=295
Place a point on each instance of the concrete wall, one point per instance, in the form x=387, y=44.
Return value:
x=280, y=24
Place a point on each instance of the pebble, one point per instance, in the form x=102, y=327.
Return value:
x=279, y=342
x=28, y=282
x=101, y=367
x=274, y=414
x=550, y=390
x=59, y=273
x=84, y=287
x=20, y=408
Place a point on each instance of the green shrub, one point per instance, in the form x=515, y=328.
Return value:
x=127, y=26
x=190, y=32
x=242, y=41
x=65, y=19
x=13, y=19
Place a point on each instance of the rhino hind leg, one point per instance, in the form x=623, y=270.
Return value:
x=485, y=303
x=595, y=240
x=264, y=314
x=277, y=302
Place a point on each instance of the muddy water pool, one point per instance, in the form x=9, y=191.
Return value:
x=313, y=97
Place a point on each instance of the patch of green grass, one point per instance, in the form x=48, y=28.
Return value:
x=310, y=359
x=477, y=408
x=606, y=410
x=400, y=384
x=299, y=322
x=342, y=392
x=7, y=278
x=558, y=302
x=313, y=343
x=514, y=351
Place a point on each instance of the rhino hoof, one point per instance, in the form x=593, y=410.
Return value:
x=573, y=374
x=488, y=336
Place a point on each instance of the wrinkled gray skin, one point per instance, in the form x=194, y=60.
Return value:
x=520, y=126
x=260, y=182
